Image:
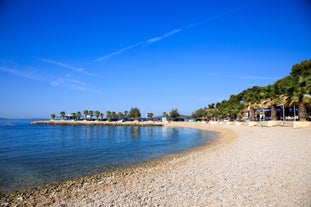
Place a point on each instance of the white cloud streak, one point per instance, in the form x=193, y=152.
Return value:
x=77, y=69
x=25, y=74
x=168, y=34
x=70, y=67
x=143, y=43
x=67, y=82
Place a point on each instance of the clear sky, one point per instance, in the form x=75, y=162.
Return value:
x=72, y=55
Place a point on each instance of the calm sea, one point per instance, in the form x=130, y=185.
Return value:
x=36, y=154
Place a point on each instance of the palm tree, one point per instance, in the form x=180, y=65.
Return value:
x=150, y=115
x=62, y=115
x=85, y=112
x=91, y=113
x=78, y=115
x=294, y=89
x=108, y=115
x=126, y=113
x=101, y=116
x=284, y=101
x=120, y=115
x=250, y=98
x=53, y=116
x=113, y=115
x=301, y=96
x=236, y=107
x=166, y=116
x=97, y=113
x=211, y=106
x=212, y=113
x=301, y=86
x=270, y=97
x=73, y=115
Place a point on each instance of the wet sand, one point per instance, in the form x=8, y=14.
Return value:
x=245, y=166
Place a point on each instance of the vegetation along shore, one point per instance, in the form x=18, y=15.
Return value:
x=288, y=99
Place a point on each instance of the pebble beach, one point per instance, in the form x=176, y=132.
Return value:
x=244, y=166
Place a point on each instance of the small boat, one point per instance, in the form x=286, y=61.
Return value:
x=8, y=124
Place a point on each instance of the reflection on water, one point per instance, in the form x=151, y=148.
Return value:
x=31, y=154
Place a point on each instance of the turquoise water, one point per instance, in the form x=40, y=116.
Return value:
x=36, y=154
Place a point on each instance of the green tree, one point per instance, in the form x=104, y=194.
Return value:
x=120, y=115
x=78, y=115
x=135, y=113
x=270, y=97
x=212, y=113
x=166, y=116
x=85, y=112
x=113, y=114
x=91, y=114
x=302, y=96
x=108, y=115
x=150, y=115
x=126, y=113
x=101, y=116
x=96, y=114
x=294, y=89
x=211, y=106
x=251, y=97
x=200, y=113
x=299, y=87
x=53, y=116
x=235, y=107
x=73, y=115
x=62, y=115
x=174, y=113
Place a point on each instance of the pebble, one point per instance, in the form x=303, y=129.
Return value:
x=247, y=167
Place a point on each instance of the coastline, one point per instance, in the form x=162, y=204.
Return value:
x=292, y=124
x=95, y=123
x=43, y=194
x=244, y=166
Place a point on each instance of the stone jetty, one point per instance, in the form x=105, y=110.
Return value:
x=97, y=123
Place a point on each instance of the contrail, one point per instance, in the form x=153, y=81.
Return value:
x=168, y=34
x=62, y=65
x=143, y=43
x=70, y=67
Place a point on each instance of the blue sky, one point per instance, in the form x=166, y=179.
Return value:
x=71, y=55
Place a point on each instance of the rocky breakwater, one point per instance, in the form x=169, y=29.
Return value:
x=97, y=123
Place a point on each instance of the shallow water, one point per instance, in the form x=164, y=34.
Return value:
x=36, y=154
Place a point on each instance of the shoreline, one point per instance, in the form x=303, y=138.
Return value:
x=35, y=192
x=95, y=123
x=289, y=124
x=244, y=166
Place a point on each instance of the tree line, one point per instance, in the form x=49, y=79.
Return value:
x=132, y=114
x=292, y=90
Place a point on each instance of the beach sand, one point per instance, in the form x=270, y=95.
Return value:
x=245, y=166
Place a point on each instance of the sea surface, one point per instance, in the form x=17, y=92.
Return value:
x=38, y=154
